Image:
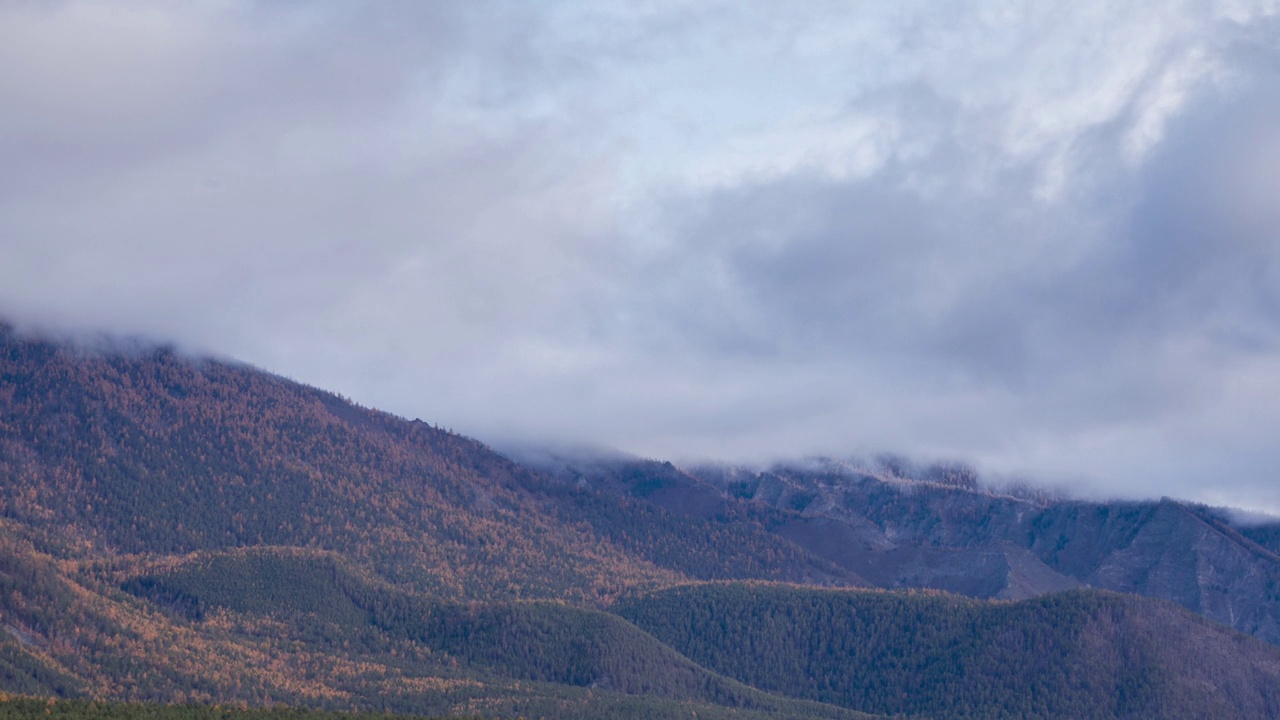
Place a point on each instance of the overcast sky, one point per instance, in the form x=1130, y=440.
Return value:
x=1042, y=237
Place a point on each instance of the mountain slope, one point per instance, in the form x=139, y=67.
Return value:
x=153, y=452
x=1080, y=654
x=193, y=529
x=901, y=527
x=262, y=626
x=176, y=529
x=655, y=510
x=137, y=449
x=20, y=708
x=912, y=533
x=540, y=641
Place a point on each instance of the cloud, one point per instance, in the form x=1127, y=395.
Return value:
x=1040, y=238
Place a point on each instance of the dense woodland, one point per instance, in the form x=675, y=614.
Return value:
x=201, y=536
x=897, y=525
x=1078, y=654
x=159, y=454
x=148, y=452
x=22, y=708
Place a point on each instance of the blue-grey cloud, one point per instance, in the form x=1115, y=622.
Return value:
x=1040, y=238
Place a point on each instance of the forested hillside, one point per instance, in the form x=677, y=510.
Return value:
x=1079, y=654
x=887, y=522
x=184, y=530
x=152, y=452
x=19, y=708
x=287, y=625
x=140, y=450
x=178, y=529
x=899, y=526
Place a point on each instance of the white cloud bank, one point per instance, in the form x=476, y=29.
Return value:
x=1041, y=237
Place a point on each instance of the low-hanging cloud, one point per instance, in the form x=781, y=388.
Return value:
x=1043, y=239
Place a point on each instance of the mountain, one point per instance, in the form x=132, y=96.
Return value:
x=127, y=468
x=658, y=511
x=1080, y=654
x=912, y=532
x=893, y=525
x=189, y=530
x=270, y=625
x=20, y=708
x=140, y=450
x=267, y=625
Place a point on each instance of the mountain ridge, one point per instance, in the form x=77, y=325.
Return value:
x=176, y=529
x=890, y=529
x=863, y=648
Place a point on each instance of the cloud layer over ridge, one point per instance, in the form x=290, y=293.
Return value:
x=1045, y=239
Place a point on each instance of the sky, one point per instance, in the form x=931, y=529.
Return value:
x=1039, y=237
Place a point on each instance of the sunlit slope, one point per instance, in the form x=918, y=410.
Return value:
x=281, y=625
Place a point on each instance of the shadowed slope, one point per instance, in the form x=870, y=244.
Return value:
x=1079, y=654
